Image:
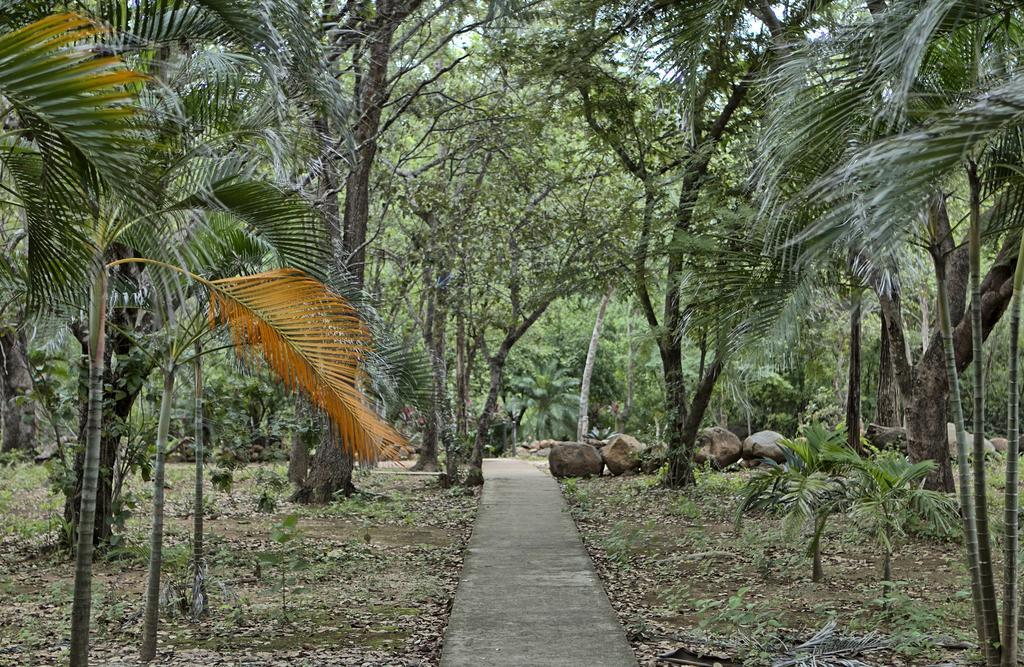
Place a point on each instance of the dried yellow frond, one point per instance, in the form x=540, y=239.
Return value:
x=315, y=342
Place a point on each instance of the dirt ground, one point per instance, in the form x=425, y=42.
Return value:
x=680, y=575
x=365, y=581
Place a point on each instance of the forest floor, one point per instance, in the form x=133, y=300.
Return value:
x=679, y=575
x=363, y=581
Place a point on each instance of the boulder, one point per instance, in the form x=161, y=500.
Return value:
x=951, y=441
x=575, y=459
x=764, y=445
x=522, y=451
x=652, y=458
x=1000, y=444
x=622, y=454
x=540, y=444
x=886, y=437
x=541, y=452
x=719, y=446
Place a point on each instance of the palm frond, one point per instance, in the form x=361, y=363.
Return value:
x=314, y=341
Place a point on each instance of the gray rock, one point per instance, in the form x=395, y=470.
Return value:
x=951, y=441
x=886, y=437
x=764, y=445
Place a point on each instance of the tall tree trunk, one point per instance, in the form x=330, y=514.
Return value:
x=82, y=600
x=474, y=475
x=198, y=538
x=122, y=387
x=583, y=423
x=887, y=402
x=19, y=417
x=627, y=409
x=1011, y=512
x=680, y=458
x=427, y=459
x=151, y=615
x=461, y=377
x=853, y=377
x=442, y=417
x=966, y=497
x=988, y=587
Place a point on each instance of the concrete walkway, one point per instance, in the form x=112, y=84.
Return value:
x=529, y=594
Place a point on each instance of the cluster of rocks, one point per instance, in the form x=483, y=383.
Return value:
x=895, y=438
x=621, y=454
x=716, y=446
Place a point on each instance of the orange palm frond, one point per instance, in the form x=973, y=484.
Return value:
x=314, y=341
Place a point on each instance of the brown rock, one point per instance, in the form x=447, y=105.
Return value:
x=719, y=446
x=575, y=459
x=622, y=454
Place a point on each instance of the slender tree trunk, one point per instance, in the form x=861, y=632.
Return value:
x=988, y=587
x=887, y=412
x=19, y=417
x=1011, y=513
x=628, y=407
x=82, y=601
x=926, y=333
x=427, y=459
x=966, y=497
x=817, y=571
x=461, y=377
x=151, y=616
x=198, y=505
x=583, y=424
x=853, y=377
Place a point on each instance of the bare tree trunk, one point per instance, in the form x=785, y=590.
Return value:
x=330, y=473
x=19, y=418
x=461, y=377
x=82, y=600
x=298, y=460
x=198, y=552
x=853, y=378
x=887, y=401
x=151, y=615
x=627, y=409
x=583, y=424
x=474, y=476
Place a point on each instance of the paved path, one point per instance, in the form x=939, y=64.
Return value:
x=528, y=593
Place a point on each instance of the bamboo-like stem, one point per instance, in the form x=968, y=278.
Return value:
x=963, y=471
x=198, y=554
x=82, y=602
x=990, y=605
x=151, y=617
x=1011, y=540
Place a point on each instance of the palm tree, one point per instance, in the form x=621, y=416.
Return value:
x=548, y=395
x=874, y=124
x=807, y=489
x=888, y=496
x=76, y=140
